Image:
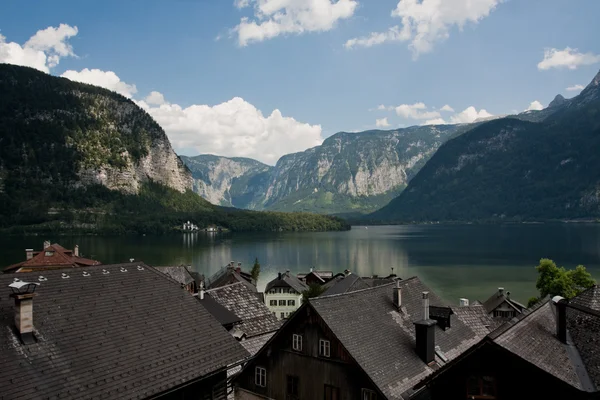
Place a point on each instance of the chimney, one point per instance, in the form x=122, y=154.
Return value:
x=23, y=293
x=560, y=306
x=287, y=273
x=46, y=244
x=29, y=253
x=239, y=268
x=201, y=292
x=463, y=302
x=279, y=275
x=500, y=291
x=76, y=251
x=398, y=295
x=311, y=270
x=425, y=334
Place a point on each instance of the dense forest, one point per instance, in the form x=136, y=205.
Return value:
x=511, y=169
x=51, y=129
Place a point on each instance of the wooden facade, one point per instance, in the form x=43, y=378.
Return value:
x=210, y=388
x=490, y=372
x=304, y=373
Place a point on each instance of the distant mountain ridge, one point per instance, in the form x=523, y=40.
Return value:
x=540, y=165
x=349, y=172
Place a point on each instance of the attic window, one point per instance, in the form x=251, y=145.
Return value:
x=324, y=348
x=49, y=253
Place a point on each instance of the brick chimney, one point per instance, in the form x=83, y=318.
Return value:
x=46, y=244
x=398, y=295
x=76, y=251
x=425, y=334
x=560, y=307
x=29, y=254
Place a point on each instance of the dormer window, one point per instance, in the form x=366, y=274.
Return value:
x=48, y=253
x=324, y=348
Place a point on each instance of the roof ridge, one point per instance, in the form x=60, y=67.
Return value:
x=362, y=290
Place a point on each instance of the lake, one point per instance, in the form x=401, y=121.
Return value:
x=456, y=261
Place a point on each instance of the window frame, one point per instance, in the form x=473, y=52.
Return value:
x=296, y=342
x=368, y=394
x=480, y=394
x=291, y=303
x=333, y=390
x=273, y=303
x=282, y=303
x=324, y=344
x=260, y=377
x=291, y=394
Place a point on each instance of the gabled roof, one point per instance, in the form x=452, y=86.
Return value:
x=287, y=280
x=123, y=331
x=255, y=317
x=228, y=275
x=590, y=298
x=179, y=273
x=346, y=284
x=477, y=318
x=221, y=313
x=322, y=275
x=381, y=339
x=498, y=298
x=53, y=256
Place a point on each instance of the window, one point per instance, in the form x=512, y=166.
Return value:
x=273, y=302
x=292, y=303
x=481, y=387
x=297, y=342
x=282, y=315
x=48, y=253
x=324, y=348
x=260, y=377
x=368, y=395
x=282, y=303
x=292, y=388
x=332, y=393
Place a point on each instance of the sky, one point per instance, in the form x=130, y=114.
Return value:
x=264, y=78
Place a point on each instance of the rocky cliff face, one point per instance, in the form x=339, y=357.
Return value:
x=349, y=172
x=70, y=133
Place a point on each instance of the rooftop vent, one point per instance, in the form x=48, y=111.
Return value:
x=140, y=268
x=85, y=273
x=131, y=260
x=398, y=295
x=23, y=293
x=123, y=269
x=64, y=275
x=42, y=278
x=105, y=272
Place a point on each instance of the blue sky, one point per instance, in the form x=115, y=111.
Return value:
x=296, y=58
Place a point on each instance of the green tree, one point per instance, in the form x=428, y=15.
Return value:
x=314, y=290
x=557, y=281
x=255, y=271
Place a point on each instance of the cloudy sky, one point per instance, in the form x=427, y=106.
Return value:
x=262, y=78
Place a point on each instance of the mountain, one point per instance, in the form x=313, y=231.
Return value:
x=513, y=168
x=233, y=182
x=76, y=156
x=349, y=172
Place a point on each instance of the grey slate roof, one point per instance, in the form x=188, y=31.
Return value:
x=382, y=339
x=477, y=318
x=496, y=299
x=178, y=273
x=590, y=298
x=346, y=284
x=115, y=335
x=255, y=316
x=221, y=313
x=287, y=280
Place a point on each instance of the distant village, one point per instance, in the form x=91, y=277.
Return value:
x=74, y=328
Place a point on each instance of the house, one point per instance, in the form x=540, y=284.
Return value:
x=123, y=331
x=183, y=275
x=501, y=306
x=349, y=282
x=315, y=277
x=256, y=322
x=374, y=343
x=190, y=227
x=551, y=351
x=283, y=295
x=230, y=274
x=52, y=256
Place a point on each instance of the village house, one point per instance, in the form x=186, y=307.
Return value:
x=501, y=306
x=123, y=331
x=52, y=256
x=374, y=343
x=349, y=282
x=283, y=295
x=230, y=274
x=551, y=351
x=315, y=277
x=182, y=274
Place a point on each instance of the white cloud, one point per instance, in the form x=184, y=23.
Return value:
x=535, y=105
x=575, y=88
x=567, y=58
x=436, y=121
x=447, y=108
x=277, y=17
x=234, y=128
x=105, y=79
x=425, y=22
x=42, y=51
x=382, y=123
x=469, y=115
x=416, y=111
x=381, y=107
x=155, y=99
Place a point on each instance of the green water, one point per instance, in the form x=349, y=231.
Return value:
x=455, y=261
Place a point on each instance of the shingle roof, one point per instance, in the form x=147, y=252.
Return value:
x=498, y=298
x=590, y=298
x=382, y=340
x=228, y=275
x=287, y=280
x=346, y=284
x=255, y=316
x=60, y=257
x=179, y=273
x=221, y=313
x=477, y=318
x=115, y=335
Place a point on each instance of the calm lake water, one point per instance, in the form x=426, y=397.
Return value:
x=455, y=261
